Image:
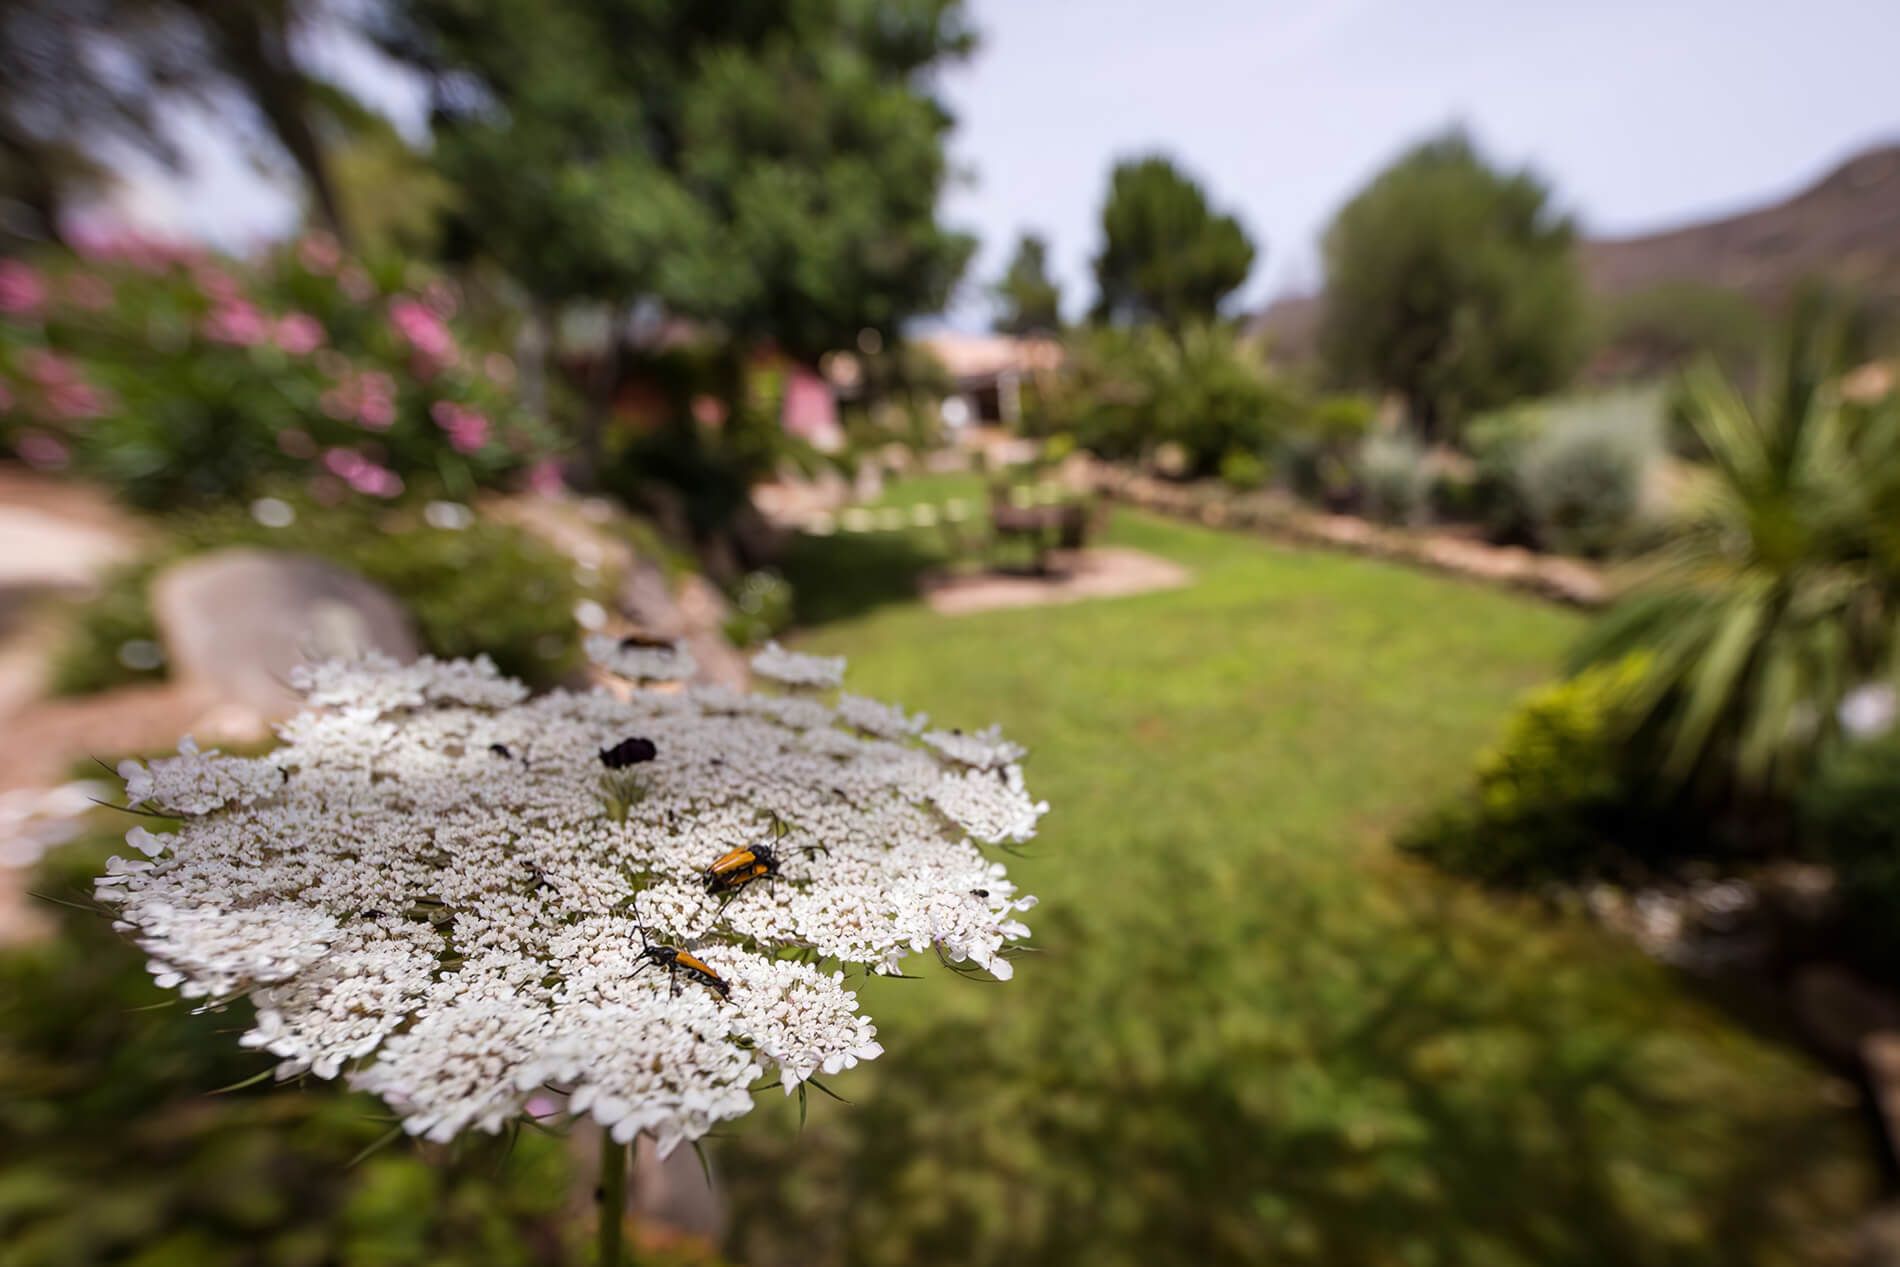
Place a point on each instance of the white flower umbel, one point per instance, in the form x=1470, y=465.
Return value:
x=816, y=672
x=443, y=890
x=985, y=749
x=639, y=660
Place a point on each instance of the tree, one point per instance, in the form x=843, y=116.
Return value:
x=82, y=80
x=250, y=46
x=1166, y=255
x=1452, y=284
x=77, y=78
x=770, y=171
x=1030, y=300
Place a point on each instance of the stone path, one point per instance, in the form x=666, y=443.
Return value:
x=55, y=539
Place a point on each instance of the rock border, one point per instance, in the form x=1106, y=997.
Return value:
x=1561, y=579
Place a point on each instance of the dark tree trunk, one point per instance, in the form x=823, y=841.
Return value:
x=256, y=46
x=602, y=386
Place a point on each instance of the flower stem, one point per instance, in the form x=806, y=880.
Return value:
x=613, y=1198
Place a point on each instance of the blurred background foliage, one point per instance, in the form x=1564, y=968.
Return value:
x=1254, y=1033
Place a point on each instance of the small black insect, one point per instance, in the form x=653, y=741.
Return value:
x=501, y=750
x=634, y=640
x=676, y=961
x=979, y=892
x=629, y=752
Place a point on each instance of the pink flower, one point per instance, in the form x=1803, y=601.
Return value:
x=298, y=334
x=319, y=253
x=237, y=321
x=75, y=401
x=68, y=396
x=115, y=244
x=467, y=428
x=471, y=435
x=440, y=297
x=424, y=331
x=89, y=293
x=376, y=400
x=49, y=369
x=378, y=413
x=38, y=449
x=355, y=283
x=362, y=474
x=544, y=478
x=22, y=289
x=708, y=411
x=215, y=281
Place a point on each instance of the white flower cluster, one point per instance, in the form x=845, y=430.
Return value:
x=640, y=661
x=459, y=898
x=986, y=749
x=795, y=669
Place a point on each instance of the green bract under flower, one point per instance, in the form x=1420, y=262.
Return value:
x=430, y=888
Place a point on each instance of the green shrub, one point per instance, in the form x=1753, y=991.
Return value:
x=1317, y=453
x=1582, y=475
x=486, y=587
x=1557, y=798
x=1394, y=478
x=1126, y=393
x=763, y=604
x=1851, y=811
x=182, y=379
x=1339, y=417
x=1243, y=471
x=1497, y=443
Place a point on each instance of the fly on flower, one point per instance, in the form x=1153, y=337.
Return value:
x=675, y=961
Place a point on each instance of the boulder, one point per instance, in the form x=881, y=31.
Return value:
x=236, y=621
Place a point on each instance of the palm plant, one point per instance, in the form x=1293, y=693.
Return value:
x=1780, y=590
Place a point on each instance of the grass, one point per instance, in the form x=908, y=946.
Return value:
x=1254, y=1033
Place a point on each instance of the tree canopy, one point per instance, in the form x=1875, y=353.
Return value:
x=1166, y=255
x=1029, y=301
x=1453, y=284
x=770, y=168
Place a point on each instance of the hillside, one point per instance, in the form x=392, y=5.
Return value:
x=1845, y=227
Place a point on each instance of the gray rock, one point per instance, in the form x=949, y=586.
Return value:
x=237, y=621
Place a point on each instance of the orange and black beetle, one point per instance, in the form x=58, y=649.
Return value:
x=677, y=961
x=736, y=868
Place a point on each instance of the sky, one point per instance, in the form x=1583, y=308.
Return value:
x=1641, y=115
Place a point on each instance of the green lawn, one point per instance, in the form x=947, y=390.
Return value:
x=1255, y=1034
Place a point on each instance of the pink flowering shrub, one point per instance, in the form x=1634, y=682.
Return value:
x=179, y=376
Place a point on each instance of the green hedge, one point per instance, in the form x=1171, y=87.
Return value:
x=1557, y=799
